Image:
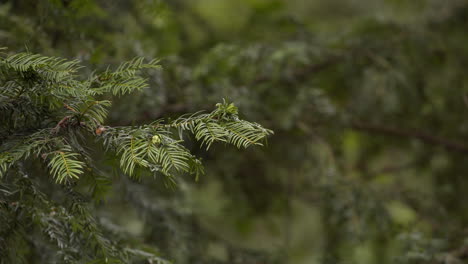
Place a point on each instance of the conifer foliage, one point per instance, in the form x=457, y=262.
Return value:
x=52, y=119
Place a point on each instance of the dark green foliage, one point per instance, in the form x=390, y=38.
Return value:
x=52, y=116
x=367, y=100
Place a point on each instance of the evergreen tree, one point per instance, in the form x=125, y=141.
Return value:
x=52, y=121
x=366, y=98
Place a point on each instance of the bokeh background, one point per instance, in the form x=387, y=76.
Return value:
x=368, y=100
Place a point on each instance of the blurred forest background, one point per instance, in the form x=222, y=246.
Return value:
x=367, y=99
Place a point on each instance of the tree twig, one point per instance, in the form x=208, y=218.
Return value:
x=450, y=145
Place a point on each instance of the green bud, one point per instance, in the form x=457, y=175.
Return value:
x=156, y=139
x=232, y=109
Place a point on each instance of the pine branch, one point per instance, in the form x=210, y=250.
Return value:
x=64, y=166
x=125, y=79
x=49, y=68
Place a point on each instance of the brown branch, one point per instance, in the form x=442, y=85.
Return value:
x=61, y=124
x=450, y=145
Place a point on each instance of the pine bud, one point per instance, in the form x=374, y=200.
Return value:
x=100, y=130
x=156, y=139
